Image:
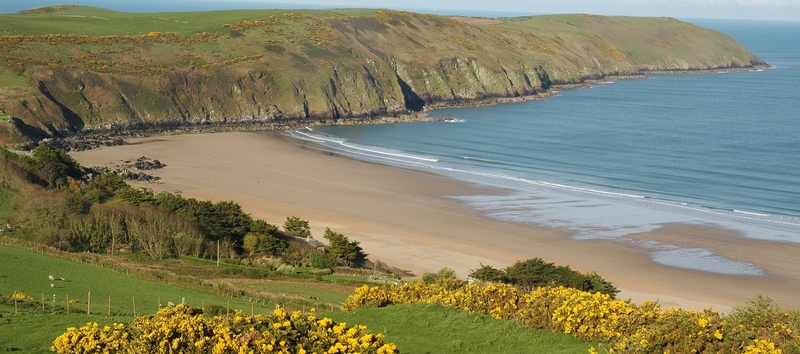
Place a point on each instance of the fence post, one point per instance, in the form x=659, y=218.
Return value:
x=133, y=298
x=89, y=304
x=16, y=310
x=228, y=309
x=251, y=308
x=109, y=305
x=67, y=304
x=159, y=304
x=42, y=302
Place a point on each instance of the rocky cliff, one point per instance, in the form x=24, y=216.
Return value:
x=79, y=69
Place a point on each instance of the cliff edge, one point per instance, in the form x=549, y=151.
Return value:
x=70, y=70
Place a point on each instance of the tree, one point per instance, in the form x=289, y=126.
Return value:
x=599, y=285
x=297, y=227
x=344, y=249
x=250, y=242
x=55, y=166
x=255, y=242
x=272, y=244
x=217, y=221
x=262, y=227
x=104, y=186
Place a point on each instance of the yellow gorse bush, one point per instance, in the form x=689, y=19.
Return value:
x=762, y=346
x=21, y=296
x=624, y=327
x=182, y=329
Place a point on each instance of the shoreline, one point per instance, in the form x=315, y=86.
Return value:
x=95, y=136
x=406, y=219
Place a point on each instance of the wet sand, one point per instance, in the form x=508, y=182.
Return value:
x=405, y=218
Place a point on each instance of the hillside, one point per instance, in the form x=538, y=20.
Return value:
x=69, y=69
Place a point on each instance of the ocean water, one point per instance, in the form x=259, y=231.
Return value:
x=625, y=157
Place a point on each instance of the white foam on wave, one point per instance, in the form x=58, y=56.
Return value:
x=370, y=150
x=584, y=226
x=454, y=120
x=479, y=159
x=751, y=213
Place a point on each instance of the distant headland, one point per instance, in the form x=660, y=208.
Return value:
x=76, y=70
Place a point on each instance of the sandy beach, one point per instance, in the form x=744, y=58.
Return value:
x=405, y=218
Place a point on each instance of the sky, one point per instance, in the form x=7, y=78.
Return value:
x=715, y=9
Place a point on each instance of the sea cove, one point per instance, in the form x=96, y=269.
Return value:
x=628, y=157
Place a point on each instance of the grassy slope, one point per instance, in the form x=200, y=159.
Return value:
x=26, y=271
x=32, y=331
x=320, y=64
x=432, y=328
x=415, y=328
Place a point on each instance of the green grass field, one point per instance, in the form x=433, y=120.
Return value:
x=26, y=271
x=327, y=293
x=433, y=328
x=34, y=331
x=415, y=328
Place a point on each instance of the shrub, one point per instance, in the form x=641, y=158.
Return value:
x=535, y=273
x=319, y=260
x=764, y=318
x=444, y=273
x=182, y=329
x=620, y=326
x=489, y=274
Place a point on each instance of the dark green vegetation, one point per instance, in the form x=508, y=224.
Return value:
x=534, y=273
x=56, y=203
x=80, y=68
x=433, y=328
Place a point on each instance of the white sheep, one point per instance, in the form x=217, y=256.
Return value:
x=52, y=285
x=52, y=277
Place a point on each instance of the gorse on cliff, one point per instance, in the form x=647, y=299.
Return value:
x=72, y=69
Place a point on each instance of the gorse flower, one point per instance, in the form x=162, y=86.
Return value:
x=622, y=326
x=182, y=329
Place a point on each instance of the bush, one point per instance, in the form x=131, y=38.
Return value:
x=489, y=274
x=444, y=273
x=534, y=273
x=319, y=260
x=182, y=329
x=764, y=318
x=620, y=326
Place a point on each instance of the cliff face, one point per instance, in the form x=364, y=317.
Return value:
x=283, y=67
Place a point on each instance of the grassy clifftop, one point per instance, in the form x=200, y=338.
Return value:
x=67, y=69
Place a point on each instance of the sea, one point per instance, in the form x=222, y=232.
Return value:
x=625, y=157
